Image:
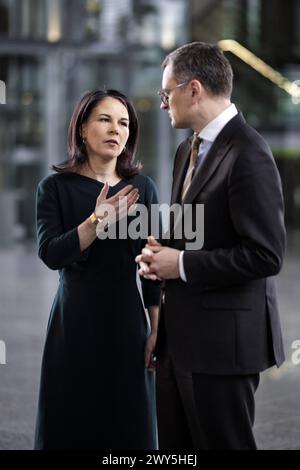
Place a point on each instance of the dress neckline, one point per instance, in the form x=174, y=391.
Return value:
x=96, y=181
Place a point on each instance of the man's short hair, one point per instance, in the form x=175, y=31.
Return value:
x=203, y=62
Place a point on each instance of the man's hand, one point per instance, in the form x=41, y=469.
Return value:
x=144, y=267
x=158, y=262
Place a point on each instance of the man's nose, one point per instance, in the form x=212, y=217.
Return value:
x=164, y=106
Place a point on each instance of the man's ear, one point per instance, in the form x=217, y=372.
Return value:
x=197, y=88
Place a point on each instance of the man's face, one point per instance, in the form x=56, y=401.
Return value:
x=178, y=104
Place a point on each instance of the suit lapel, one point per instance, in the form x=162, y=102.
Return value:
x=204, y=174
x=180, y=171
x=206, y=171
x=216, y=154
x=181, y=165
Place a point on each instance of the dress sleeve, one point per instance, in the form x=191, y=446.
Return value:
x=57, y=248
x=150, y=289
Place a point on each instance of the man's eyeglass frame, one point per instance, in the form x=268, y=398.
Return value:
x=164, y=95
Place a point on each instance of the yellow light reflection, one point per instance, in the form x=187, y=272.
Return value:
x=54, y=22
x=260, y=66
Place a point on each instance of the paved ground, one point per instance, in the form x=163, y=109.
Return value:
x=26, y=292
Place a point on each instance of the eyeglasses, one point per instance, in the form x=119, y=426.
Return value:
x=164, y=95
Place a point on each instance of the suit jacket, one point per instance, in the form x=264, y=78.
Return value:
x=224, y=319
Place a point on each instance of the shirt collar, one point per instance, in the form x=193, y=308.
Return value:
x=214, y=127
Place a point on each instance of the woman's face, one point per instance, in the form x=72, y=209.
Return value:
x=107, y=129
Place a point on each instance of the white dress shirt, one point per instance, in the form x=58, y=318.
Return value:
x=208, y=135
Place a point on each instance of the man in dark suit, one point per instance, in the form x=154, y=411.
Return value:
x=219, y=323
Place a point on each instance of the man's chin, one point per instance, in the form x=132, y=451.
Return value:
x=174, y=124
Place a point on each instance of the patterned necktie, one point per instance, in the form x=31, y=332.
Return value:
x=191, y=169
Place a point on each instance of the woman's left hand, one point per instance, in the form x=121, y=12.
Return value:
x=149, y=350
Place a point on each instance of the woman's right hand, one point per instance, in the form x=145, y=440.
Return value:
x=111, y=208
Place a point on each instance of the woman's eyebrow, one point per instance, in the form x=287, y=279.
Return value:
x=108, y=115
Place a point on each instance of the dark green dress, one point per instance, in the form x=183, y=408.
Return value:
x=95, y=392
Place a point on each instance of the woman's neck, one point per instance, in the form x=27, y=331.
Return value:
x=101, y=171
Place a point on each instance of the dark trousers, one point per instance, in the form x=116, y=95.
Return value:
x=204, y=412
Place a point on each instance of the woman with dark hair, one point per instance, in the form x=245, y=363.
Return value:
x=97, y=389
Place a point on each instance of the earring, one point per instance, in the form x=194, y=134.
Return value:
x=84, y=140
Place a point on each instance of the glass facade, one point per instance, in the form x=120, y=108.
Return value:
x=52, y=51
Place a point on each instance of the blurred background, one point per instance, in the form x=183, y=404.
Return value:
x=51, y=52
